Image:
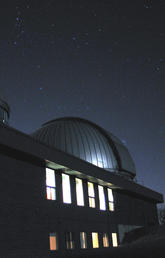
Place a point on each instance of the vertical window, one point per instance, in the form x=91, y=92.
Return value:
x=53, y=241
x=110, y=199
x=83, y=239
x=95, y=240
x=66, y=188
x=50, y=184
x=91, y=195
x=79, y=192
x=105, y=240
x=101, y=197
x=69, y=240
x=114, y=240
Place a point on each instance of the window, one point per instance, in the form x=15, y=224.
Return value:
x=105, y=240
x=110, y=199
x=101, y=197
x=69, y=240
x=53, y=241
x=91, y=195
x=50, y=184
x=95, y=240
x=114, y=240
x=83, y=240
x=79, y=192
x=66, y=188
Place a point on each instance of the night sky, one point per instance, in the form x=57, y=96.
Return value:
x=103, y=60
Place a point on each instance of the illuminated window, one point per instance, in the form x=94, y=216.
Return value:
x=105, y=240
x=91, y=195
x=79, y=192
x=114, y=240
x=110, y=200
x=83, y=239
x=101, y=197
x=66, y=188
x=69, y=240
x=95, y=240
x=50, y=184
x=53, y=241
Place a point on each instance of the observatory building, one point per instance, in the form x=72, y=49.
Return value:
x=68, y=188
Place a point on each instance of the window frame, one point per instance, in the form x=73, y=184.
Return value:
x=78, y=200
x=70, y=190
x=69, y=240
x=105, y=234
x=111, y=203
x=101, y=188
x=98, y=244
x=83, y=242
x=49, y=187
x=114, y=239
x=55, y=236
x=91, y=199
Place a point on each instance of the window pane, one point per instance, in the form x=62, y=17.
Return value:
x=69, y=240
x=105, y=240
x=95, y=240
x=110, y=195
x=114, y=240
x=50, y=177
x=53, y=241
x=83, y=239
x=91, y=191
x=50, y=193
x=91, y=202
x=101, y=198
x=79, y=192
x=111, y=206
x=66, y=188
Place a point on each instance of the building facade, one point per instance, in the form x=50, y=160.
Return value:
x=68, y=188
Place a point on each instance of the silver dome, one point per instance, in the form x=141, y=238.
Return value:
x=87, y=141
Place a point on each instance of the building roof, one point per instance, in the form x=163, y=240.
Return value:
x=87, y=141
x=23, y=147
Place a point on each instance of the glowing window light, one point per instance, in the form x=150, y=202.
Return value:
x=105, y=240
x=50, y=184
x=91, y=195
x=53, y=241
x=114, y=240
x=95, y=240
x=101, y=197
x=50, y=193
x=66, y=188
x=79, y=192
x=110, y=199
x=83, y=240
x=50, y=177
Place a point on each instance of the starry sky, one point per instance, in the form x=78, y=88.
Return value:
x=103, y=60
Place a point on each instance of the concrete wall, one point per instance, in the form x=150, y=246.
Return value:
x=27, y=218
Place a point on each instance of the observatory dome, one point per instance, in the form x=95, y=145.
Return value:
x=87, y=141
